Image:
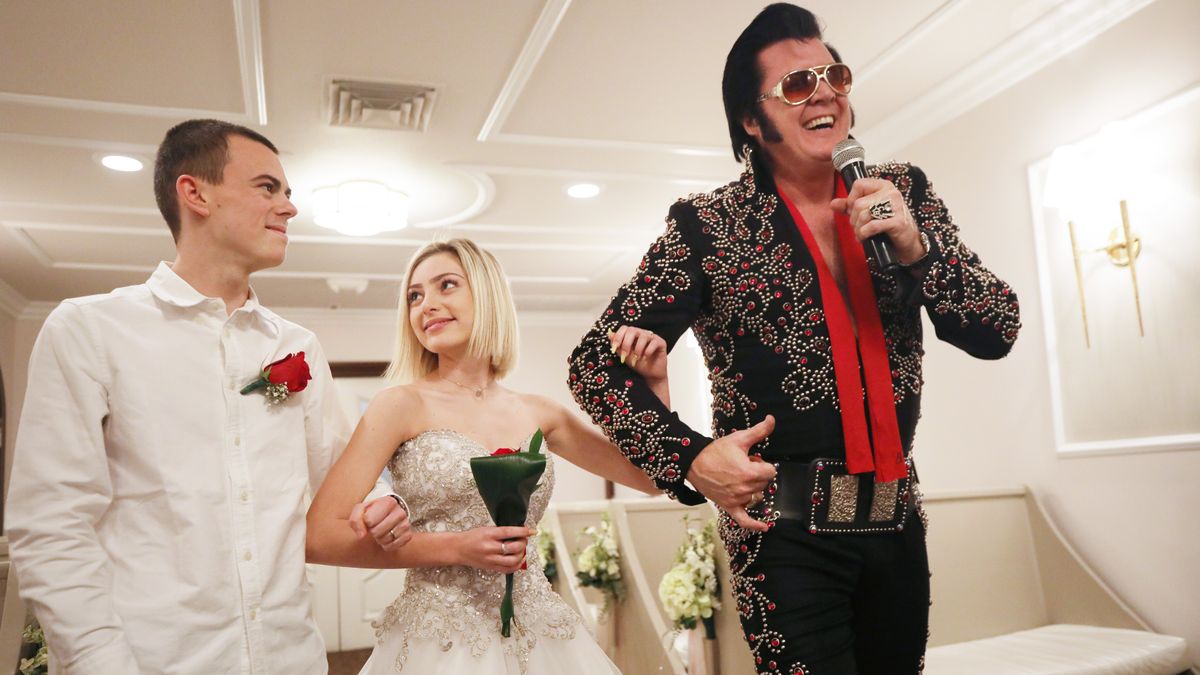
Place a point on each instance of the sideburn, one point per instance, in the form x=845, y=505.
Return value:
x=770, y=133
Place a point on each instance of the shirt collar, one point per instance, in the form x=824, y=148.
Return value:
x=171, y=288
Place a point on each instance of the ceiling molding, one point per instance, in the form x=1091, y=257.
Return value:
x=585, y=174
x=135, y=109
x=608, y=144
x=160, y=230
x=531, y=53
x=910, y=38
x=555, y=230
x=296, y=274
x=1059, y=32
x=83, y=143
x=485, y=192
x=21, y=227
x=31, y=247
x=86, y=208
x=11, y=300
x=250, y=58
x=535, y=45
x=118, y=230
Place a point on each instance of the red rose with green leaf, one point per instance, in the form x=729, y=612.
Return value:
x=288, y=375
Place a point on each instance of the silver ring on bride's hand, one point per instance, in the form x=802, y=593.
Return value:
x=503, y=548
x=882, y=210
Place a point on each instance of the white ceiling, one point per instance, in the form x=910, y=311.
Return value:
x=532, y=96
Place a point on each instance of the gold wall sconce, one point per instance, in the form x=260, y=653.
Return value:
x=1123, y=249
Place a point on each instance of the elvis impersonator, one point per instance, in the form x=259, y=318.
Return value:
x=813, y=349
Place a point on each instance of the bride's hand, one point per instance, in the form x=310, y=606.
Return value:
x=498, y=549
x=643, y=351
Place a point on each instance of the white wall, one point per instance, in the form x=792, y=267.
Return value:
x=1132, y=517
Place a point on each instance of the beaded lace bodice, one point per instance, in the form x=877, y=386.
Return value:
x=459, y=607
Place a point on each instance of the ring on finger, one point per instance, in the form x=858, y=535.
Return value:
x=503, y=548
x=881, y=210
x=393, y=533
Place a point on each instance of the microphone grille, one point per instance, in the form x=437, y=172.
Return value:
x=847, y=152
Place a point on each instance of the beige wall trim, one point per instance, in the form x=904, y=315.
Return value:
x=984, y=493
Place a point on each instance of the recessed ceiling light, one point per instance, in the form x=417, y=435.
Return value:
x=583, y=190
x=121, y=163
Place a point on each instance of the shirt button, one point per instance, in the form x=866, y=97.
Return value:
x=245, y=496
x=237, y=440
x=233, y=384
x=247, y=556
x=253, y=614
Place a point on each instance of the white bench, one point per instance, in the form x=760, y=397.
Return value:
x=566, y=522
x=1010, y=595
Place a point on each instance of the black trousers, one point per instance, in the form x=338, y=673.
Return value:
x=837, y=604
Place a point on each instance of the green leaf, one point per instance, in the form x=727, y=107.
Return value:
x=505, y=482
x=255, y=385
x=535, y=443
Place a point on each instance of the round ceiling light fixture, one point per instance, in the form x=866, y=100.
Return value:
x=583, y=190
x=360, y=208
x=123, y=163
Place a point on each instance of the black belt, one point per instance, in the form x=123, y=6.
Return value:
x=828, y=499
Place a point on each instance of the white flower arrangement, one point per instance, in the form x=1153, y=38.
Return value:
x=544, y=542
x=599, y=563
x=689, y=590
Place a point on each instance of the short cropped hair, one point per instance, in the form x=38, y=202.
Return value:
x=197, y=148
x=494, y=329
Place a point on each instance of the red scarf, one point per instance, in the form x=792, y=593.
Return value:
x=887, y=457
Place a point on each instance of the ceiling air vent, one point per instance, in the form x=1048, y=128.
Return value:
x=380, y=105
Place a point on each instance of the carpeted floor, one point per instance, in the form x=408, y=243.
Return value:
x=347, y=663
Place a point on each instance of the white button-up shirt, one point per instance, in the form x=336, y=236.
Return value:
x=156, y=515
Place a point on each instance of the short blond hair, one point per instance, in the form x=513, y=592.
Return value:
x=494, y=329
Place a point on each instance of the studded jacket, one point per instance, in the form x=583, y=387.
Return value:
x=733, y=267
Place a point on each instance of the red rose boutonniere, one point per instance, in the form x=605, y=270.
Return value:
x=281, y=378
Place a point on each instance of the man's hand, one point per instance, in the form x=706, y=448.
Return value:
x=384, y=519
x=890, y=216
x=727, y=474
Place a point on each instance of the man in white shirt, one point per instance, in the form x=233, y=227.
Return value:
x=156, y=513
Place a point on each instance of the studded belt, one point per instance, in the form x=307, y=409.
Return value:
x=828, y=499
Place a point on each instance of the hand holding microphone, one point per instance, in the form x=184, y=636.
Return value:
x=877, y=211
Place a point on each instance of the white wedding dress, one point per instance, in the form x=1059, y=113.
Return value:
x=447, y=619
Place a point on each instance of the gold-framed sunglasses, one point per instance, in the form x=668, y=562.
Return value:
x=798, y=86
